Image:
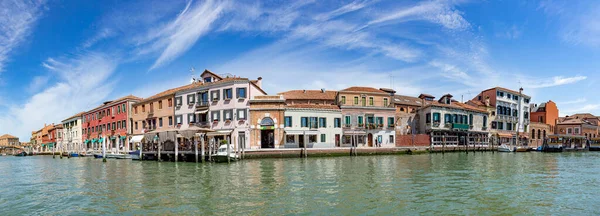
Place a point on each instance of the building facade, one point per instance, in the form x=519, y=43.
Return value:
x=579, y=124
x=539, y=133
x=72, y=134
x=55, y=135
x=9, y=140
x=266, y=121
x=511, y=114
x=111, y=121
x=451, y=123
x=316, y=126
x=546, y=113
x=368, y=117
x=219, y=103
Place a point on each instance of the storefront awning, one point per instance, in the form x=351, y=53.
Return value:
x=202, y=112
x=301, y=132
x=505, y=135
x=219, y=133
x=136, y=139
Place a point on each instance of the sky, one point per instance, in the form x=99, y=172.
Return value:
x=58, y=58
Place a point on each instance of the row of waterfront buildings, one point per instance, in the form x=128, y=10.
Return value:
x=237, y=110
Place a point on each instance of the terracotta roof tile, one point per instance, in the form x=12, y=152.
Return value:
x=313, y=106
x=505, y=90
x=8, y=136
x=171, y=92
x=76, y=115
x=458, y=105
x=407, y=100
x=308, y=95
x=363, y=89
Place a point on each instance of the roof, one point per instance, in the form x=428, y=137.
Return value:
x=457, y=105
x=128, y=97
x=211, y=73
x=408, y=100
x=313, y=106
x=171, y=92
x=538, y=108
x=74, y=116
x=8, y=136
x=363, y=89
x=308, y=95
x=426, y=96
x=506, y=90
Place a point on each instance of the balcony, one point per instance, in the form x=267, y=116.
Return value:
x=460, y=126
x=203, y=124
x=202, y=105
x=150, y=114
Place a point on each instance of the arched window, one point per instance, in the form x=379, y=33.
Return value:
x=532, y=133
x=544, y=134
x=539, y=133
x=267, y=122
x=500, y=110
x=484, y=121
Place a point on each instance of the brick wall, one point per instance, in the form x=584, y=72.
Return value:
x=406, y=140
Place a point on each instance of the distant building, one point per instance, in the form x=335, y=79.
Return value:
x=538, y=133
x=511, y=114
x=453, y=123
x=584, y=124
x=368, y=116
x=266, y=121
x=546, y=113
x=9, y=140
x=72, y=133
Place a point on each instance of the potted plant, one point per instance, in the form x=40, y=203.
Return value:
x=361, y=125
x=436, y=124
x=223, y=142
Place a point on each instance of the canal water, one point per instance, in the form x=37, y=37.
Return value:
x=451, y=183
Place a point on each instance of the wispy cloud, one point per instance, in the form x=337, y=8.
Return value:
x=103, y=34
x=579, y=21
x=16, y=22
x=37, y=83
x=350, y=7
x=555, y=81
x=179, y=35
x=82, y=84
x=577, y=101
x=588, y=108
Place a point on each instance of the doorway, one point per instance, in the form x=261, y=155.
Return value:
x=370, y=140
x=300, y=141
x=337, y=140
x=267, y=139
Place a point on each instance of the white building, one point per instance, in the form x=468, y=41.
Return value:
x=72, y=134
x=318, y=125
x=221, y=104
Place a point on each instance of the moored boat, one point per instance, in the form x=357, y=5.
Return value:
x=21, y=154
x=222, y=155
x=135, y=155
x=595, y=144
x=563, y=142
x=505, y=148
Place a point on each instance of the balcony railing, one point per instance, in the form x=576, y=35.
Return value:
x=203, y=124
x=200, y=104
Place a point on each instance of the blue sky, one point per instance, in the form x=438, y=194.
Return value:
x=58, y=58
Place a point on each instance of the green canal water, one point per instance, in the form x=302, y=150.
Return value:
x=430, y=184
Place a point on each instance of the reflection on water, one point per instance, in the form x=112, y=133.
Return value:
x=457, y=183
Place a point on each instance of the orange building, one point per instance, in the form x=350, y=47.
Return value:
x=546, y=113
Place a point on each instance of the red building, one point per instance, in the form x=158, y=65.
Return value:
x=55, y=134
x=109, y=121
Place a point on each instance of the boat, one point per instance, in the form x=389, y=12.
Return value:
x=222, y=155
x=97, y=155
x=74, y=154
x=505, y=148
x=595, y=144
x=135, y=155
x=21, y=154
x=122, y=156
x=563, y=142
x=521, y=149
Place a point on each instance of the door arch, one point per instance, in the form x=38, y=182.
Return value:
x=370, y=139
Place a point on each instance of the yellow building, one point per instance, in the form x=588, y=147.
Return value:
x=9, y=140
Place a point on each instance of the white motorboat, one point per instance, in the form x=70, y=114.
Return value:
x=221, y=155
x=505, y=148
x=118, y=156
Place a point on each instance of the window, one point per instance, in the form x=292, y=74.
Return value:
x=455, y=118
x=364, y=101
x=371, y=101
x=569, y=130
x=526, y=100
x=113, y=126
x=515, y=113
x=152, y=107
x=323, y=138
x=216, y=115
x=355, y=100
x=360, y=120
x=508, y=95
x=390, y=121
x=290, y=138
x=228, y=115
x=170, y=102
x=428, y=118
x=314, y=123
x=118, y=125
x=135, y=110
x=526, y=115
x=241, y=114
x=288, y=121
x=160, y=104
x=118, y=109
x=436, y=117
x=508, y=126
x=227, y=94
x=343, y=99
x=178, y=119
x=347, y=120
x=191, y=118
x=391, y=139
x=484, y=121
x=576, y=130
x=447, y=118
x=385, y=102
x=516, y=97
x=304, y=122
x=136, y=125
x=500, y=125
x=191, y=98
x=312, y=138
x=143, y=108
x=123, y=108
x=471, y=119
x=240, y=93
x=207, y=79
x=123, y=124
x=214, y=95
x=337, y=122
x=178, y=101
x=170, y=120
x=379, y=121
x=322, y=122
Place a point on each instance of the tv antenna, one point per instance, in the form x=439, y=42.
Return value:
x=192, y=70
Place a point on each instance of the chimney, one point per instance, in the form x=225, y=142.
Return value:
x=304, y=91
x=259, y=82
x=322, y=90
x=487, y=101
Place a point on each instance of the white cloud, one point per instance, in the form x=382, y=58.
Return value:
x=555, y=81
x=588, y=108
x=182, y=33
x=350, y=7
x=578, y=21
x=103, y=34
x=439, y=12
x=577, y=101
x=37, y=83
x=16, y=21
x=82, y=84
